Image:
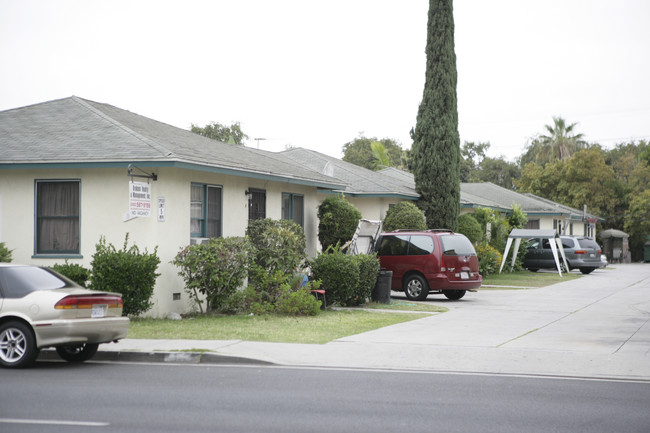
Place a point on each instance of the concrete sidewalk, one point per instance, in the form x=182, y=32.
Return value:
x=597, y=326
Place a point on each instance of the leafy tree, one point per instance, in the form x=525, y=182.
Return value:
x=584, y=178
x=472, y=155
x=360, y=152
x=436, y=146
x=498, y=171
x=404, y=215
x=637, y=223
x=637, y=216
x=560, y=143
x=228, y=134
x=542, y=181
x=338, y=220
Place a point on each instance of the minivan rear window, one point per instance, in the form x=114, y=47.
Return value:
x=588, y=243
x=456, y=245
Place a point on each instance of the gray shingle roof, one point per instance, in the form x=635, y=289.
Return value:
x=492, y=196
x=359, y=181
x=76, y=130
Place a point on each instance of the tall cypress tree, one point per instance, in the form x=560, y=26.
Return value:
x=436, y=143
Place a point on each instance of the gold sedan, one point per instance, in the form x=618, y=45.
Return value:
x=41, y=308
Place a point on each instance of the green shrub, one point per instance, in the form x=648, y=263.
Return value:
x=279, y=293
x=75, y=272
x=279, y=244
x=348, y=279
x=5, y=253
x=368, y=272
x=338, y=220
x=404, y=215
x=127, y=271
x=489, y=259
x=214, y=270
x=517, y=218
x=471, y=228
x=299, y=302
x=339, y=274
x=266, y=286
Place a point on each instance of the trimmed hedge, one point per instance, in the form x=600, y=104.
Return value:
x=348, y=279
x=338, y=220
x=127, y=271
x=404, y=215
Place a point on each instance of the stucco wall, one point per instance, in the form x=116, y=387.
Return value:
x=104, y=203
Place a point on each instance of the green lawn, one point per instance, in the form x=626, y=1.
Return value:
x=527, y=279
x=327, y=326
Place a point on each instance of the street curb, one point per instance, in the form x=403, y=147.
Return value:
x=163, y=357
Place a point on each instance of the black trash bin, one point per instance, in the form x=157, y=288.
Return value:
x=381, y=292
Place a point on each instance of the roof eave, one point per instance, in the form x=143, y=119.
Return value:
x=31, y=165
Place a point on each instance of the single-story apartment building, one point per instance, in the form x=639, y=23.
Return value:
x=73, y=171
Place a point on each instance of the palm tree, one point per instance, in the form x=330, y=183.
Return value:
x=380, y=154
x=561, y=142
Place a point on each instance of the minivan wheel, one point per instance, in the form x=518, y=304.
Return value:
x=454, y=294
x=416, y=288
x=587, y=270
x=17, y=345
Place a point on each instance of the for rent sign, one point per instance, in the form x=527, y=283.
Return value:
x=139, y=199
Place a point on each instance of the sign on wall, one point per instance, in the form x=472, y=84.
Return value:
x=139, y=199
x=161, y=209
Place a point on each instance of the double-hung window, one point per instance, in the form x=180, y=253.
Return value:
x=57, y=217
x=293, y=208
x=205, y=211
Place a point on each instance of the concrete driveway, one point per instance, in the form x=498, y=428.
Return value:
x=596, y=326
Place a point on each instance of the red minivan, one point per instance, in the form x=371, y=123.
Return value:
x=431, y=261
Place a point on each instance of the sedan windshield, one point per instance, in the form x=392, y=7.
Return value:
x=18, y=281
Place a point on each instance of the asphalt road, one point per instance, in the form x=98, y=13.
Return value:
x=133, y=398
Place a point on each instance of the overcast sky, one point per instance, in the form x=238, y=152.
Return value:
x=315, y=74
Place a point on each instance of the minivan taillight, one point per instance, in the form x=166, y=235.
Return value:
x=580, y=252
x=73, y=302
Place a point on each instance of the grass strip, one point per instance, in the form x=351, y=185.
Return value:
x=325, y=327
x=526, y=279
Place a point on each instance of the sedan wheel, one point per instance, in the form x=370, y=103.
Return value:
x=77, y=352
x=416, y=288
x=17, y=345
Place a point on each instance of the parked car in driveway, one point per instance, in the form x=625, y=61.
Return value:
x=581, y=252
x=432, y=261
x=41, y=308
